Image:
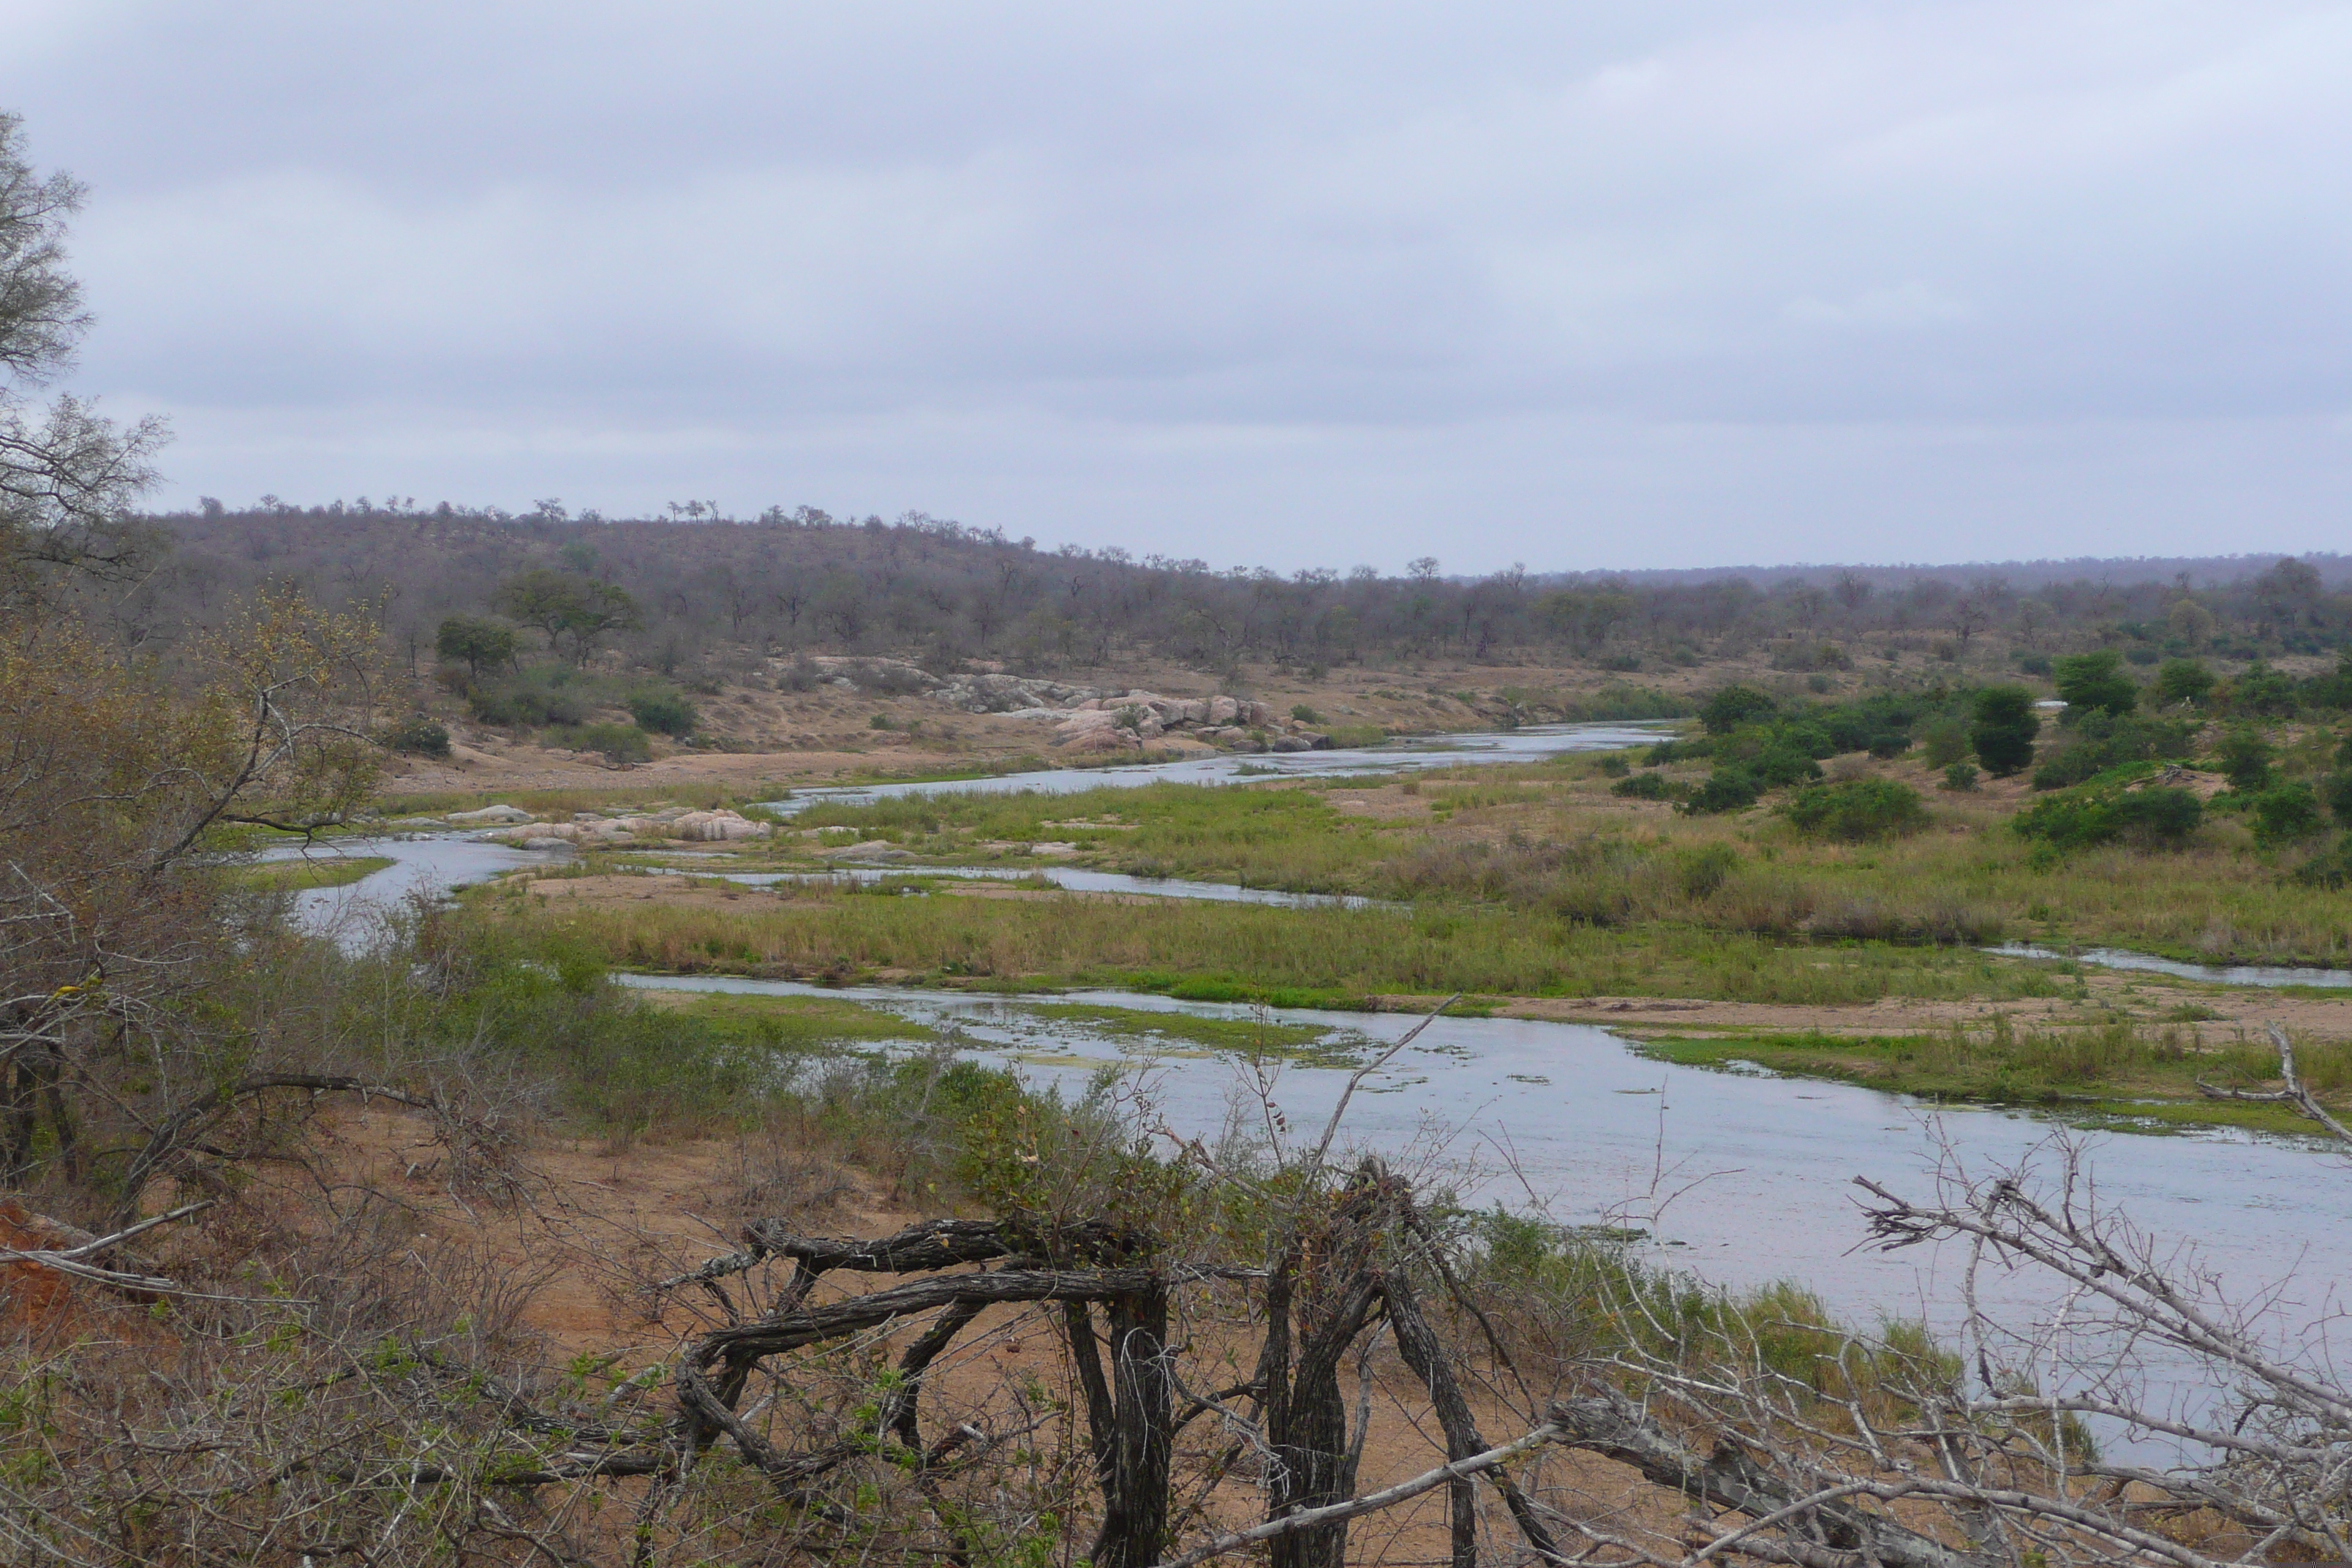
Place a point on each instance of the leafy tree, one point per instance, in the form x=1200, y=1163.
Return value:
x=662, y=712
x=2079, y=819
x=2286, y=813
x=2005, y=726
x=2339, y=797
x=2183, y=680
x=562, y=605
x=2095, y=683
x=2245, y=759
x=475, y=643
x=1734, y=706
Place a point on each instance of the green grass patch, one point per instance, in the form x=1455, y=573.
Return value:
x=799, y=1025
x=2112, y=1075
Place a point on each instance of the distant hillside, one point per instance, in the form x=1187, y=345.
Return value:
x=727, y=596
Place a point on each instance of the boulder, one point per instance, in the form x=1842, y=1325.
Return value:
x=489, y=817
x=1101, y=740
x=1288, y=744
x=715, y=827
x=1258, y=713
x=544, y=844
x=1315, y=741
x=1224, y=711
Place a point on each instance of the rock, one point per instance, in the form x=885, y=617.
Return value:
x=1105, y=738
x=715, y=827
x=1192, y=710
x=543, y=844
x=1149, y=725
x=1315, y=741
x=1224, y=711
x=1244, y=741
x=489, y=815
x=1258, y=713
x=1289, y=743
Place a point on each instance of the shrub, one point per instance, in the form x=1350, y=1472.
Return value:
x=2183, y=680
x=1725, y=789
x=1857, y=810
x=1961, y=777
x=2260, y=690
x=2286, y=813
x=419, y=735
x=1733, y=707
x=2245, y=759
x=2031, y=663
x=616, y=744
x=2105, y=740
x=1615, y=766
x=1649, y=786
x=661, y=710
x=2095, y=683
x=1306, y=715
x=1945, y=741
x=2331, y=869
x=2080, y=818
x=2339, y=793
x=1704, y=869
x=2005, y=726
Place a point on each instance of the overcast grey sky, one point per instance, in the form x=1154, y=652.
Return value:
x=1578, y=285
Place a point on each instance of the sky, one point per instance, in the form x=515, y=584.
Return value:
x=1581, y=286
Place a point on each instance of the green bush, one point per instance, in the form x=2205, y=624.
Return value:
x=1725, y=789
x=2245, y=759
x=2005, y=726
x=1615, y=766
x=2286, y=813
x=1945, y=741
x=2079, y=819
x=1961, y=777
x=1857, y=810
x=419, y=735
x=1306, y=715
x=2105, y=741
x=2031, y=663
x=1649, y=786
x=2095, y=683
x=2331, y=869
x=2260, y=691
x=661, y=710
x=2183, y=680
x=2339, y=793
x=616, y=744
x=1734, y=707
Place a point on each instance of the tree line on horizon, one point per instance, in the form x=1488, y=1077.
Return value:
x=699, y=591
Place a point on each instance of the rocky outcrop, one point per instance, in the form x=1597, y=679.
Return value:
x=677, y=823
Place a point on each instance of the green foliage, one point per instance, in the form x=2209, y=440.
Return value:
x=2183, y=680
x=1961, y=777
x=2260, y=691
x=2331, y=869
x=1305, y=714
x=546, y=694
x=2031, y=663
x=475, y=643
x=616, y=744
x=2095, y=814
x=1944, y=740
x=1725, y=789
x=2337, y=792
x=2095, y=683
x=562, y=604
x=2286, y=813
x=2245, y=758
x=661, y=709
x=1856, y=810
x=1733, y=707
x=2005, y=726
x=1649, y=786
x=2105, y=740
x=418, y=735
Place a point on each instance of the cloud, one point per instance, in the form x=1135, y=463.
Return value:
x=1523, y=251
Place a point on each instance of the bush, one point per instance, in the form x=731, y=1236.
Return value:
x=2183, y=680
x=1306, y=715
x=1857, y=810
x=2031, y=663
x=1615, y=766
x=1961, y=777
x=1733, y=707
x=2331, y=869
x=1945, y=742
x=2286, y=813
x=1725, y=789
x=418, y=735
x=2104, y=742
x=2339, y=793
x=2245, y=759
x=2095, y=683
x=661, y=710
x=1649, y=786
x=616, y=744
x=2260, y=691
x=2005, y=726
x=2080, y=818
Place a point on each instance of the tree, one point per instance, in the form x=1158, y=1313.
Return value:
x=2183, y=680
x=1733, y=706
x=562, y=605
x=476, y=644
x=2005, y=726
x=68, y=478
x=2095, y=683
